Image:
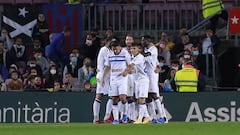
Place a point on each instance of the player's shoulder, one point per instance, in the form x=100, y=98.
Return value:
x=103, y=49
x=153, y=48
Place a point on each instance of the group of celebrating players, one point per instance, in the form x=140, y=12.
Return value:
x=129, y=76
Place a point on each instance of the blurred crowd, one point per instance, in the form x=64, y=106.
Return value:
x=44, y=65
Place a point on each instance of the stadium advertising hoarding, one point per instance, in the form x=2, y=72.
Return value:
x=44, y=107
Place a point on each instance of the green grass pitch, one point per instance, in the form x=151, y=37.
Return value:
x=172, y=128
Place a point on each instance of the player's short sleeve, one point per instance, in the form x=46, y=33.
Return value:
x=138, y=60
x=107, y=63
x=128, y=57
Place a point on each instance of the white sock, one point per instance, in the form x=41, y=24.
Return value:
x=159, y=107
x=164, y=113
x=96, y=109
x=151, y=110
x=108, y=109
x=115, y=111
x=142, y=111
x=131, y=111
x=124, y=108
x=120, y=108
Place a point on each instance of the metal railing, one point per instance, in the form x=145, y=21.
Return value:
x=142, y=18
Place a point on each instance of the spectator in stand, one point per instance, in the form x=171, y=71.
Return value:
x=57, y=86
x=208, y=46
x=32, y=72
x=164, y=70
x=30, y=83
x=164, y=53
x=72, y=66
x=169, y=84
x=52, y=76
x=14, y=83
x=80, y=57
x=3, y=86
x=8, y=43
x=184, y=45
x=91, y=47
x=109, y=32
x=35, y=45
x=32, y=63
x=195, y=54
x=3, y=54
x=41, y=30
x=85, y=72
x=177, y=39
x=56, y=51
x=169, y=44
x=41, y=61
x=70, y=84
x=17, y=55
x=37, y=84
x=186, y=54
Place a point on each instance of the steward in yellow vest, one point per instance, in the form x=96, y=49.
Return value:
x=211, y=7
x=186, y=79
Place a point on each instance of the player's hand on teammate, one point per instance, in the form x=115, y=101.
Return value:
x=146, y=54
x=125, y=73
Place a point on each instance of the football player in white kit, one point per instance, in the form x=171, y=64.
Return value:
x=100, y=90
x=141, y=81
x=117, y=63
x=129, y=40
x=152, y=66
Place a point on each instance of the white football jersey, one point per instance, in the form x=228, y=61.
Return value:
x=139, y=67
x=151, y=60
x=102, y=56
x=118, y=63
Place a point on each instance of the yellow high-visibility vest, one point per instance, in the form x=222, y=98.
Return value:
x=211, y=7
x=74, y=1
x=186, y=80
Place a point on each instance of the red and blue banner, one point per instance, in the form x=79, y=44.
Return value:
x=59, y=16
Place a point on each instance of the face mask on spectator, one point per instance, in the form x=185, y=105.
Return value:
x=34, y=73
x=161, y=64
x=74, y=59
x=53, y=71
x=195, y=53
x=162, y=46
x=32, y=65
x=186, y=56
x=175, y=68
x=88, y=42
